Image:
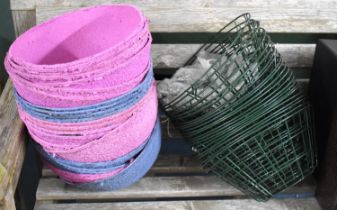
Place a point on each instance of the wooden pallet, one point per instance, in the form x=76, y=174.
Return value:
x=174, y=182
x=178, y=182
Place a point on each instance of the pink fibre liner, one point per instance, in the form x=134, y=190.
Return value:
x=95, y=21
x=95, y=57
x=134, y=65
x=83, y=68
x=119, y=82
x=100, y=69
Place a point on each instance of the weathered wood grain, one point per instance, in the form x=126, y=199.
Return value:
x=197, y=3
x=165, y=164
x=148, y=187
x=155, y=170
x=17, y=4
x=175, y=55
x=168, y=17
x=246, y=204
x=12, y=143
x=23, y=20
x=22, y=4
x=152, y=188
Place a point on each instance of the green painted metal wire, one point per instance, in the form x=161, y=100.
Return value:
x=251, y=127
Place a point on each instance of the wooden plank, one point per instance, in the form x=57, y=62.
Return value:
x=246, y=204
x=12, y=142
x=196, y=3
x=22, y=5
x=148, y=187
x=23, y=20
x=211, y=19
x=30, y=4
x=153, y=188
x=47, y=173
x=165, y=164
x=175, y=55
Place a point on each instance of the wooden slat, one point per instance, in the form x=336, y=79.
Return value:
x=148, y=187
x=175, y=55
x=12, y=143
x=22, y=5
x=167, y=17
x=246, y=204
x=153, y=188
x=30, y=4
x=198, y=3
x=165, y=164
x=23, y=20
x=47, y=173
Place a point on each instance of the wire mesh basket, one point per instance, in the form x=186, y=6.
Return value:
x=246, y=117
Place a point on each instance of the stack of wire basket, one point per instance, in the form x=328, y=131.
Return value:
x=246, y=116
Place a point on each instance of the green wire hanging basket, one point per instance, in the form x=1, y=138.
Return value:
x=246, y=117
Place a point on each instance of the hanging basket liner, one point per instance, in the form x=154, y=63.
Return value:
x=86, y=61
x=55, y=43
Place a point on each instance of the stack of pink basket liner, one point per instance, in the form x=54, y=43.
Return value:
x=85, y=90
